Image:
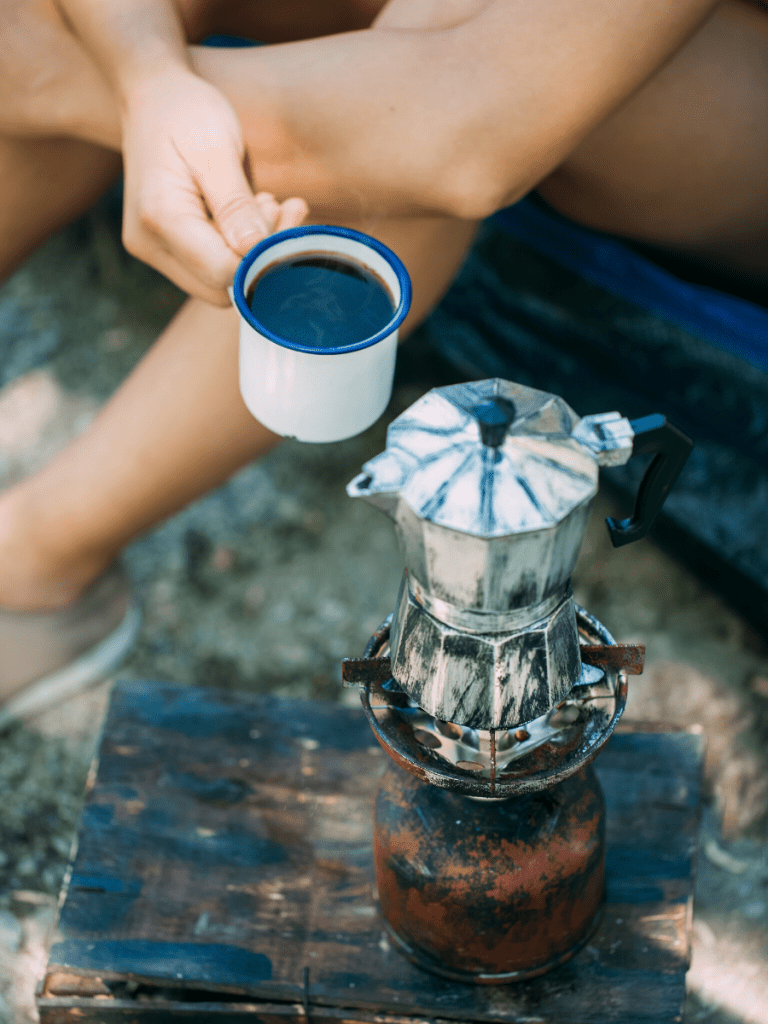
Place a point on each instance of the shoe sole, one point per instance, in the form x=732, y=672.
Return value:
x=89, y=668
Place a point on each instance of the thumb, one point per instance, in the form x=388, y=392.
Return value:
x=241, y=217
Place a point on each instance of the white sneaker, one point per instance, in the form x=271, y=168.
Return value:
x=46, y=657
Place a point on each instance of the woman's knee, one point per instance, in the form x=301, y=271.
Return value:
x=656, y=169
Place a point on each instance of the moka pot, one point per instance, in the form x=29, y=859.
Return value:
x=490, y=485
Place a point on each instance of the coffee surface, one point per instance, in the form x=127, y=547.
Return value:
x=321, y=300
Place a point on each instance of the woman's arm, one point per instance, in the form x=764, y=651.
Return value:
x=189, y=210
x=454, y=107
x=458, y=120
x=131, y=40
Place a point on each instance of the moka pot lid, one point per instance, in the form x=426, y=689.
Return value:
x=489, y=458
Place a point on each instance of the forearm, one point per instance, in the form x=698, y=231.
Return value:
x=457, y=120
x=130, y=40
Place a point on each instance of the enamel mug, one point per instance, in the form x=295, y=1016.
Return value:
x=310, y=393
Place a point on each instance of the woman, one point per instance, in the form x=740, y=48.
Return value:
x=411, y=120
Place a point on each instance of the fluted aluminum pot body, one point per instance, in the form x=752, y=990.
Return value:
x=486, y=891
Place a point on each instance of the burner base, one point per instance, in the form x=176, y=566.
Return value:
x=489, y=892
x=428, y=963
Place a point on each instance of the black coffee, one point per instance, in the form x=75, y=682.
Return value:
x=321, y=300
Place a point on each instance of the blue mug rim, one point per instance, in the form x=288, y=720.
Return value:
x=394, y=261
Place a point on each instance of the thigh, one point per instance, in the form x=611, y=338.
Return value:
x=45, y=184
x=684, y=163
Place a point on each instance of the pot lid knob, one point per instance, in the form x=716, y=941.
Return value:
x=494, y=416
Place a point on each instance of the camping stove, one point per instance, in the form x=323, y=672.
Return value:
x=489, y=688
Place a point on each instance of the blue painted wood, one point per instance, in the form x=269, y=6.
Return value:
x=212, y=963
x=225, y=848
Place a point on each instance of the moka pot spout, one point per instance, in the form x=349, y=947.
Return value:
x=382, y=479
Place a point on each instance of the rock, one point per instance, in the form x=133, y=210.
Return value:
x=26, y=407
x=741, y=789
x=681, y=694
x=722, y=859
x=6, y=1011
x=27, y=866
x=11, y=931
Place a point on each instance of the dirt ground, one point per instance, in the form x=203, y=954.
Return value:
x=266, y=584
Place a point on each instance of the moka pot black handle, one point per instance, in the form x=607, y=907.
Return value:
x=653, y=434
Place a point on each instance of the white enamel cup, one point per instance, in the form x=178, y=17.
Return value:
x=318, y=394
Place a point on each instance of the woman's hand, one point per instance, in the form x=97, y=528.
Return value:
x=189, y=208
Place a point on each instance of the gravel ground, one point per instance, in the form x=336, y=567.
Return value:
x=268, y=582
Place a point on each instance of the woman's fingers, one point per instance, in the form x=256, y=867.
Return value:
x=180, y=274
x=241, y=217
x=172, y=232
x=293, y=212
x=179, y=238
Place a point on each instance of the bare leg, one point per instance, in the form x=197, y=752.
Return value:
x=683, y=164
x=46, y=184
x=176, y=428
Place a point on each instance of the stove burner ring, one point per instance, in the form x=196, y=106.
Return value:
x=499, y=763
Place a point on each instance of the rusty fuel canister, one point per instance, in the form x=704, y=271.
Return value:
x=489, y=891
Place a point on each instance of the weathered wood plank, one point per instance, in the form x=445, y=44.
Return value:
x=90, y=1011
x=225, y=848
